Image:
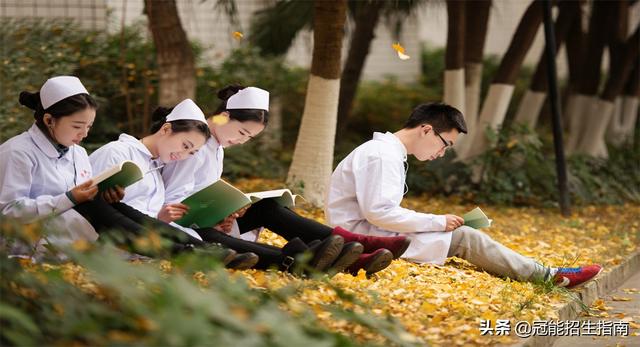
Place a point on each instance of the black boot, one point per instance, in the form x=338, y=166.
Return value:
x=326, y=252
x=349, y=255
x=243, y=261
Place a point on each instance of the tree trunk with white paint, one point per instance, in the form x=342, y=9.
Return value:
x=584, y=104
x=313, y=155
x=533, y=100
x=623, y=57
x=496, y=104
x=475, y=35
x=454, y=55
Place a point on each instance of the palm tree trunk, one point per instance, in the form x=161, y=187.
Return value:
x=313, y=155
x=366, y=20
x=176, y=62
x=497, y=101
x=533, y=99
x=475, y=35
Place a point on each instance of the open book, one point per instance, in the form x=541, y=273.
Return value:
x=476, y=219
x=123, y=175
x=213, y=203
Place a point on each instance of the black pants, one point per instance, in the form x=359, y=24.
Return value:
x=269, y=214
x=282, y=221
x=122, y=224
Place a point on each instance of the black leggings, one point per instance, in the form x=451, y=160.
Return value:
x=124, y=224
x=282, y=221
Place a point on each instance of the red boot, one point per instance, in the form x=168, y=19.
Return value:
x=396, y=244
x=372, y=262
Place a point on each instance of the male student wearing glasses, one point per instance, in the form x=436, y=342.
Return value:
x=367, y=188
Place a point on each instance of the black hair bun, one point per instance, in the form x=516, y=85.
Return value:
x=225, y=93
x=160, y=114
x=30, y=100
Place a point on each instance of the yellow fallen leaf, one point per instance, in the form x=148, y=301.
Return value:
x=400, y=50
x=220, y=120
x=238, y=35
x=620, y=298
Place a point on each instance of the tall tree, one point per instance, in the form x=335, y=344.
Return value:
x=476, y=23
x=495, y=104
x=176, y=62
x=587, y=86
x=533, y=99
x=274, y=29
x=366, y=15
x=313, y=155
x=454, y=55
x=622, y=60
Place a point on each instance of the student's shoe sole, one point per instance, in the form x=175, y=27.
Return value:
x=400, y=251
x=379, y=262
x=327, y=253
x=227, y=256
x=243, y=261
x=349, y=255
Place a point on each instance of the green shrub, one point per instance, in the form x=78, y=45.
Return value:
x=98, y=299
x=34, y=50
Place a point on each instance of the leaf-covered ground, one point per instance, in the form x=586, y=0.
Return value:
x=444, y=305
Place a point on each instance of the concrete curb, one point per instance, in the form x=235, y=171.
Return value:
x=591, y=291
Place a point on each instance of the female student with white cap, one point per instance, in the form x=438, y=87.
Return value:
x=44, y=171
x=246, y=113
x=176, y=135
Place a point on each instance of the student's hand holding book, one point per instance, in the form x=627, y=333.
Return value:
x=172, y=212
x=84, y=192
x=227, y=223
x=113, y=194
x=453, y=222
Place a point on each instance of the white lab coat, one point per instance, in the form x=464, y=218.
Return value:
x=34, y=180
x=365, y=193
x=185, y=177
x=146, y=195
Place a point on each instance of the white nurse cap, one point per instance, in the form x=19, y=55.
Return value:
x=186, y=109
x=58, y=88
x=249, y=98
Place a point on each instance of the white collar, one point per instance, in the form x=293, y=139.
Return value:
x=42, y=141
x=392, y=139
x=135, y=143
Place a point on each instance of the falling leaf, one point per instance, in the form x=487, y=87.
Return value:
x=220, y=119
x=400, y=50
x=620, y=298
x=238, y=35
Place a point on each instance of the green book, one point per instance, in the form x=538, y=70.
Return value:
x=476, y=219
x=213, y=203
x=123, y=175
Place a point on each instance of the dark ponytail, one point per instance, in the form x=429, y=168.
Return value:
x=159, y=118
x=241, y=115
x=62, y=108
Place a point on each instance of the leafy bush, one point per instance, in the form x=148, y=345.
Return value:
x=34, y=50
x=97, y=299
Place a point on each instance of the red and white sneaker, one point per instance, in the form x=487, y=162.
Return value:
x=573, y=276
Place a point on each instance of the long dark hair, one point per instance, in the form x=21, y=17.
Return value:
x=60, y=109
x=241, y=115
x=159, y=117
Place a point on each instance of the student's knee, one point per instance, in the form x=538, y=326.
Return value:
x=466, y=235
x=266, y=205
